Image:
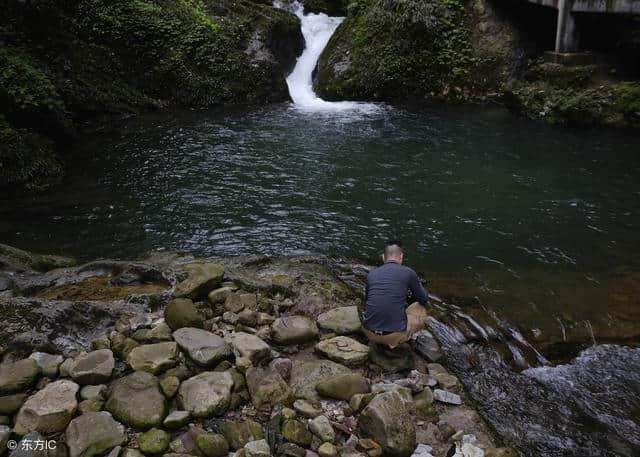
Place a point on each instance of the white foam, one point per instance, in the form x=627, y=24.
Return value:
x=317, y=30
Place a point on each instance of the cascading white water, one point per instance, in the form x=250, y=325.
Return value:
x=316, y=30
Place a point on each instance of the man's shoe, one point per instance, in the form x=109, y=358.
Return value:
x=391, y=353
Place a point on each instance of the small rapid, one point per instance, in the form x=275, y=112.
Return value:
x=317, y=30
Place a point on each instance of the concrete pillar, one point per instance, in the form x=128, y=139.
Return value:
x=566, y=32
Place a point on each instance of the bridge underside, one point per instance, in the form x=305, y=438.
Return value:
x=567, y=37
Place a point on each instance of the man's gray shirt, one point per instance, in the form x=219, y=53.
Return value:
x=386, y=296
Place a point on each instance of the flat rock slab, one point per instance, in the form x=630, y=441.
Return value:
x=153, y=358
x=249, y=346
x=48, y=410
x=293, y=330
x=343, y=349
x=94, y=434
x=341, y=321
x=137, y=400
x=203, y=347
x=93, y=368
x=305, y=376
x=207, y=394
x=446, y=397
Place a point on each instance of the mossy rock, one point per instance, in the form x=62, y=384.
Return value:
x=182, y=312
x=240, y=433
x=154, y=441
x=296, y=432
x=212, y=445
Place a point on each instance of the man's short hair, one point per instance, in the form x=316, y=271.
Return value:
x=392, y=249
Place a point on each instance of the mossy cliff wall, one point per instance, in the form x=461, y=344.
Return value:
x=65, y=62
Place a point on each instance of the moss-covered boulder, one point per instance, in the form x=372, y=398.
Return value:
x=390, y=50
x=240, y=433
x=154, y=441
x=212, y=444
x=137, y=400
x=296, y=432
x=182, y=312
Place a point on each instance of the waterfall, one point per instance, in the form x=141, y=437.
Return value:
x=316, y=30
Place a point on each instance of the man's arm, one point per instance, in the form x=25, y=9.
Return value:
x=418, y=291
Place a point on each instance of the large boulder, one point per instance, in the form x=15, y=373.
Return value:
x=267, y=388
x=207, y=394
x=94, y=434
x=293, y=330
x=203, y=347
x=153, y=358
x=343, y=349
x=343, y=386
x=343, y=320
x=389, y=423
x=249, y=346
x=48, y=410
x=182, y=312
x=93, y=368
x=305, y=376
x=137, y=400
x=17, y=376
x=202, y=278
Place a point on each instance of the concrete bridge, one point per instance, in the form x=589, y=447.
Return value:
x=566, y=34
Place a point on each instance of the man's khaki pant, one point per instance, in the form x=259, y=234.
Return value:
x=416, y=314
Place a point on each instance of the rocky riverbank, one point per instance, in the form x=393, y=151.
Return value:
x=212, y=357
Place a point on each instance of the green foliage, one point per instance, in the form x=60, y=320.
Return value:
x=575, y=96
x=63, y=62
x=26, y=159
x=24, y=86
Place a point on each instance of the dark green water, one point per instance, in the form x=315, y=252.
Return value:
x=538, y=223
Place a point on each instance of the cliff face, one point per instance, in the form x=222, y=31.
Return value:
x=66, y=62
